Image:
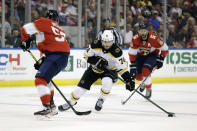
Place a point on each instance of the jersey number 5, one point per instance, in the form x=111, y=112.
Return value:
x=60, y=36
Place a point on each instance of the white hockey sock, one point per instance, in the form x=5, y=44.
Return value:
x=76, y=94
x=50, y=86
x=148, y=81
x=106, y=87
x=43, y=90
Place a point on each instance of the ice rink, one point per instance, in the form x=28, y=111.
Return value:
x=17, y=105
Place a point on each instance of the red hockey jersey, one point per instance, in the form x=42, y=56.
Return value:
x=153, y=45
x=49, y=36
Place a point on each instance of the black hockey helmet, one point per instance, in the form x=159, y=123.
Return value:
x=143, y=25
x=53, y=15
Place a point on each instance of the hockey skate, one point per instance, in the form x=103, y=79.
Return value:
x=53, y=108
x=99, y=104
x=65, y=106
x=142, y=87
x=148, y=93
x=45, y=113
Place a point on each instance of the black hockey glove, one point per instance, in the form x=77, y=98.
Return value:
x=39, y=63
x=101, y=64
x=159, y=61
x=130, y=82
x=133, y=69
x=26, y=44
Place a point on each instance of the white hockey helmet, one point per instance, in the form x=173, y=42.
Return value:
x=107, y=39
x=107, y=36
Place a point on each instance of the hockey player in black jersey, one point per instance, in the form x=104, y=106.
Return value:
x=102, y=55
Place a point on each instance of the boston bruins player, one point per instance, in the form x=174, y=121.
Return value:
x=102, y=56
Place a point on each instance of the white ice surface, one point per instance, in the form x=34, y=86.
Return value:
x=17, y=105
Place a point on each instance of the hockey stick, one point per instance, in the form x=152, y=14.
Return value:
x=76, y=112
x=123, y=102
x=170, y=114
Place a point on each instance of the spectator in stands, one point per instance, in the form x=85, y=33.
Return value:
x=7, y=26
x=192, y=43
x=128, y=36
x=146, y=4
x=91, y=11
x=175, y=9
x=194, y=9
x=20, y=8
x=136, y=8
x=14, y=40
x=68, y=38
x=181, y=38
x=155, y=22
x=91, y=33
x=171, y=36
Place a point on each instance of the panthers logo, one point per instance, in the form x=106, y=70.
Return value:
x=144, y=51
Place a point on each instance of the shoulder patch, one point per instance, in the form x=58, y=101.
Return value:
x=96, y=44
x=116, y=51
x=95, y=41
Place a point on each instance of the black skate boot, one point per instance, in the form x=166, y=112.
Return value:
x=148, y=93
x=65, y=106
x=142, y=87
x=46, y=112
x=99, y=104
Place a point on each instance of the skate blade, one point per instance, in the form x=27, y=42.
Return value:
x=54, y=112
x=43, y=117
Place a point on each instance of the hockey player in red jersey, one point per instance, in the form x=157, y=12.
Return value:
x=50, y=40
x=147, y=50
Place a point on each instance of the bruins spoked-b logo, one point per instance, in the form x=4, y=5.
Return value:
x=95, y=41
x=117, y=50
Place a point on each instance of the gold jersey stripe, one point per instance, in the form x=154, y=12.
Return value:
x=123, y=70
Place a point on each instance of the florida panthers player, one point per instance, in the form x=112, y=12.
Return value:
x=102, y=55
x=50, y=39
x=147, y=50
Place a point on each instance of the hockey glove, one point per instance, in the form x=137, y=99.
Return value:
x=133, y=69
x=39, y=63
x=159, y=61
x=25, y=45
x=101, y=64
x=130, y=82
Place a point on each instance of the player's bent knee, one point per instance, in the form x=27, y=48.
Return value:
x=145, y=71
x=139, y=77
x=40, y=81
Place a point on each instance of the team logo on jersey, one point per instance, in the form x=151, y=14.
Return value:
x=95, y=41
x=144, y=51
x=117, y=50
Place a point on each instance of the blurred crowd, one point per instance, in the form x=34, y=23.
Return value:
x=181, y=19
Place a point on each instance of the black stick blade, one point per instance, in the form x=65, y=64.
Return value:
x=83, y=113
x=170, y=114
